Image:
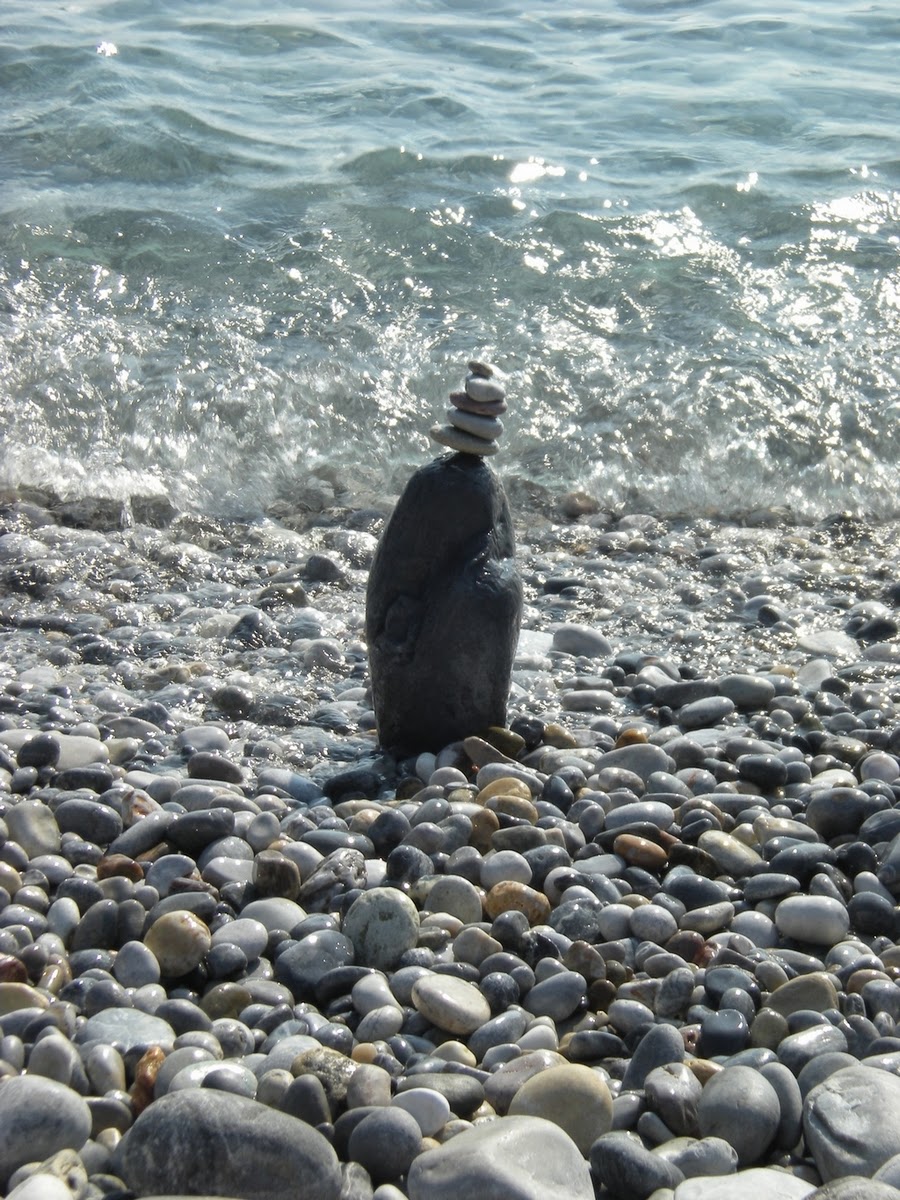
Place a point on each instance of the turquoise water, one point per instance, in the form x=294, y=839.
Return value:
x=242, y=243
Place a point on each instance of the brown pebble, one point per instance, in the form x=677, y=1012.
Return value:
x=602, y=992
x=407, y=788
x=687, y=944
x=481, y=752
x=484, y=825
x=584, y=959
x=364, y=1052
x=505, y=740
x=56, y=974
x=578, y=504
x=461, y=795
x=703, y=1069
x=137, y=804
x=507, y=786
x=702, y=863
x=864, y=975
x=225, y=1000
x=617, y=973
x=334, y=1071
x=160, y=850
x=517, y=897
x=768, y=1029
x=12, y=970
x=187, y=883
x=513, y=806
x=558, y=738
x=141, y=1091
x=119, y=864
x=360, y=822
x=276, y=875
x=640, y=852
x=630, y=737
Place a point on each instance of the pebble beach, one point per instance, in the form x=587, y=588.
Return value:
x=642, y=941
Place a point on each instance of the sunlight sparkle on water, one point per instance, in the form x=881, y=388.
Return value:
x=534, y=169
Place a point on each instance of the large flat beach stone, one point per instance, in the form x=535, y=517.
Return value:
x=516, y=1158
x=204, y=1141
x=852, y=1121
x=759, y=1183
x=38, y=1117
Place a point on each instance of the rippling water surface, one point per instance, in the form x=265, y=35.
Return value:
x=243, y=242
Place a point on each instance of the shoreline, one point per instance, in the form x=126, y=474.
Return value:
x=735, y=674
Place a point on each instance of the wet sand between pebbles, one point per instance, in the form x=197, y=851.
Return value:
x=643, y=941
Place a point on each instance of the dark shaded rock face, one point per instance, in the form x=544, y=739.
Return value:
x=443, y=608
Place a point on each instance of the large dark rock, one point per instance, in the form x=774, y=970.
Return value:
x=201, y=1141
x=443, y=608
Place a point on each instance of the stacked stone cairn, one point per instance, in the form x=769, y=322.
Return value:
x=474, y=425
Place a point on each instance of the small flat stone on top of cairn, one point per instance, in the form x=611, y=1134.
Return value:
x=473, y=421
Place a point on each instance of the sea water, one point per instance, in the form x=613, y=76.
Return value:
x=248, y=243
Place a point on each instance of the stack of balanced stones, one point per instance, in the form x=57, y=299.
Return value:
x=474, y=424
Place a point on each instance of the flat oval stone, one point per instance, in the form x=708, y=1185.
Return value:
x=481, y=426
x=790, y=1099
x=639, y=851
x=275, y=912
x=250, y=936
x=484, y=390
x=653, y=923
x=465, y=443
x=428, y=1107
x=654, y=812
x=558, y=996
x=484, y=408
x=731, y=856
x=817, y=919
x=450, y=1004
x=463, y=1093
x=505, y=866
x=813, y=991
x=673, y=1092
x=127, y=1028
x=711, y=918
x=642, y=759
